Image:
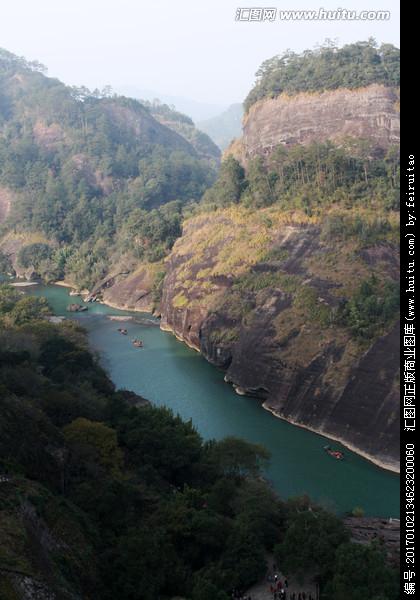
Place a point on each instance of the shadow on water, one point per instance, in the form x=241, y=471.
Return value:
x=169, y=373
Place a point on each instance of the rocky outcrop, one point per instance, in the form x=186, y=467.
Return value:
x=386, y=532
x=129, y=290
x=365, y=113
x=266, y=320
x=76, y=308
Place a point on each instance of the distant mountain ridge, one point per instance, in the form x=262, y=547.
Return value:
x=226, y=126
x=198, y=111
x=184, y=126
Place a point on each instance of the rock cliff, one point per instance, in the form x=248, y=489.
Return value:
x=255, y=293
x=131, y=290
x=370, y=113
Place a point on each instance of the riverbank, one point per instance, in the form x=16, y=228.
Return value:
x=23, y=284
x=383, y=465
x=394, y=468
x=179, y=338
x=65, y=284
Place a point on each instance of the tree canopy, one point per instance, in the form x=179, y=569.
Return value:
x=326, y=68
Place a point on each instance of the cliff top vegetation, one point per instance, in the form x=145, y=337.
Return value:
x=327, y=67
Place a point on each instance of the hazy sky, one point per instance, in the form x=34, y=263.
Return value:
x=186, y=48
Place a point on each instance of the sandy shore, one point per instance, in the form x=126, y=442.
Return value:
x=65, y=284
x=120, y=318
x=384, y=465
x=24, y=283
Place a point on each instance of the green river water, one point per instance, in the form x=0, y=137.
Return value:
x=169, y=373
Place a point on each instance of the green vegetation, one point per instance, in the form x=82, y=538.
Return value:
x=5, y=264
x=151, y=234
x=312, y=178
x=82, y=163
x=308, y=302
x=373, y=306
x=229, y=185
x=256, y=281
x=138, y=505
x=359, y=572
x=326, y=68
x=201, y=142
x=342, y=226
x=345, y=570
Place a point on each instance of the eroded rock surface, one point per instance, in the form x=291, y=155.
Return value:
x=266, y=323
x=365, y=113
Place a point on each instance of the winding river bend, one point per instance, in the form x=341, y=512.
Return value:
x=168, y=373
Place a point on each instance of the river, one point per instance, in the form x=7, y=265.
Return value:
x=169, y=373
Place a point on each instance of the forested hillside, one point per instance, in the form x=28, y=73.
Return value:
x=75, y=165
x=184, y=125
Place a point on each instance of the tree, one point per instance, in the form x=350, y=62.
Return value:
x=326, y=67
x=143, y=563
x=360, y=571
x=245, y=557
x=205, y=590
x=230, y=184
x=27, y=309
x=310, y=542
x=95, y=443
x=237, y=458
x=9, y=296
x=6, y=266
x=42, y=258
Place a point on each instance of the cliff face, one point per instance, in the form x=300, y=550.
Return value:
x=255, y=294
x=370, y=113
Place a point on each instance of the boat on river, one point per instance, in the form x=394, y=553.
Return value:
x=137, y=343
x=122, y=331
x=337, y=454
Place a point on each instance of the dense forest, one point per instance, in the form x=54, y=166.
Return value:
x=79, y=163
x=352, y=190
x=326, y=68
x=104, y=496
